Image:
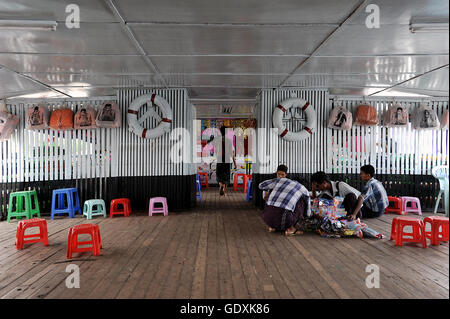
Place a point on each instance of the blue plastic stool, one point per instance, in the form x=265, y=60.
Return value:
x=58, y=206
x=199, y=189
x=89, y=209
x=249, y=191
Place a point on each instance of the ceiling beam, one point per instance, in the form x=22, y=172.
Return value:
x=134, y=40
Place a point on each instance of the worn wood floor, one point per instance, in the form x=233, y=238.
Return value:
x=219, y=250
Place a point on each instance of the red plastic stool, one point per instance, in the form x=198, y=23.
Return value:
x=236, y=184
x=205, y=183
x=114, y=207
x=418, y=234
x=436, y=223
x=397, y=208
x=21, y=238
x=73, y=243
x=247, y=177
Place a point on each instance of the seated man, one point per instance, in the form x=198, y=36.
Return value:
x=373, y=200
x=287, y=202
x=330, y=189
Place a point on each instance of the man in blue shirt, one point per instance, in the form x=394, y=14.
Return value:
x=373, y=199
x=287, y=202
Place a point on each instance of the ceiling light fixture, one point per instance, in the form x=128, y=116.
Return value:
x=28, y=25
x=428, y=27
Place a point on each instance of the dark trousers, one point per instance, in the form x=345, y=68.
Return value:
x=281, y=219
x=350, y=202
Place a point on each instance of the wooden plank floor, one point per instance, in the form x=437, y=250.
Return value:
x=221, y=249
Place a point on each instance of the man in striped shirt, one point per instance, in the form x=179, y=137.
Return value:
x=373, y=199
x=287, y=202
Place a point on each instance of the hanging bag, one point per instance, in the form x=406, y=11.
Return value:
x=395, y=116
x=85, y=118
x=366, y=115
x=444, y=120
x=8, y=122
x=109, y=116
x=61, y=119
x=37, y=117
x=425, y=118
x=340, y=119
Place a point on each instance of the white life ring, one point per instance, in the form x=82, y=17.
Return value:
x=163, y=126
x=284, y=133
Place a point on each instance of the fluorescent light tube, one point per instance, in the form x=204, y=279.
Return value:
x=428, y=27
x=28, y=25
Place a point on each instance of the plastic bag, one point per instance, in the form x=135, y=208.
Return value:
x=85, y=118
x=366, y=115
x=397, y=115
x=340, y=119
x=109, y=115
x=8, y=122
x=61, y=119
x=37, y=117
x=444, y=120
x=425, y=118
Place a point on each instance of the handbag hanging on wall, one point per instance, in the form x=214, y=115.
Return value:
x=366, y=115
x=61, y=119
x=85, y=118
x=425, y=118
x=37, y=117
x=340, y=119
x=109, y=116
x=444, y=120
x=8, y=122
x=395, y=116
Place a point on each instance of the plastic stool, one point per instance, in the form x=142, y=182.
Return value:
x=415, y=205
x=73, y=202
x=418, y=234
x=236, y=184
x=114, y=207
x=89, y=209
x=249, y=190
x=199, y=190
x=73, y=243
x=397, y=208
x=21, y=238
x=247, y=177
x=24, y=207
x=205, y=175
x=437, y=223
x=152, y=209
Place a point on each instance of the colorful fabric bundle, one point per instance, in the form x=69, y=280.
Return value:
x=109, y=116
x=8, y=122
x=85, y=118
x=61, y=119
x=425, y=118
x=366, y=115
x=37, y=117
x=340, y=119
x=397, y=115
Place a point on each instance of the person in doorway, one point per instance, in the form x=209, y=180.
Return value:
x=223, y=168
x=330, y=189
x=287, y=203
x=373, y=199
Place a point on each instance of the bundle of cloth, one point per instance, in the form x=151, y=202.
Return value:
x=328, y=220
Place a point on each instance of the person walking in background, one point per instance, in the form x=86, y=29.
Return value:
x=223, y=168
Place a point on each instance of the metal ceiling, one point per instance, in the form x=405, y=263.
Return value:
x=223, y=50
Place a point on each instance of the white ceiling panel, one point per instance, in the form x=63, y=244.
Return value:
x=12, y=84
x=356, y=40
x=186, y=40
x=74, y=63
x=90, y=10
x=437, y=80
x=227, y=64
x=222, y=93
x=250, y=81
x=236, y=11
x=88, y=92
x=90, y=38
x=372, y=65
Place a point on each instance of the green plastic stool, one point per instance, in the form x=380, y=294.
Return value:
x=94, y=207
x=24, y=207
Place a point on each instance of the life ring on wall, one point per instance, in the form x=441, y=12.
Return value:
x=135, y=125
x=284, y=133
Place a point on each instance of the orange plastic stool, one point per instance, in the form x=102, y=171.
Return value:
x=204, y=183
x=114, y=207
x=236, y=184
x=397, y=208
x=418, y=235
x=21, y=238
x=247, y=177
x=73, y=243
x=436, y=223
